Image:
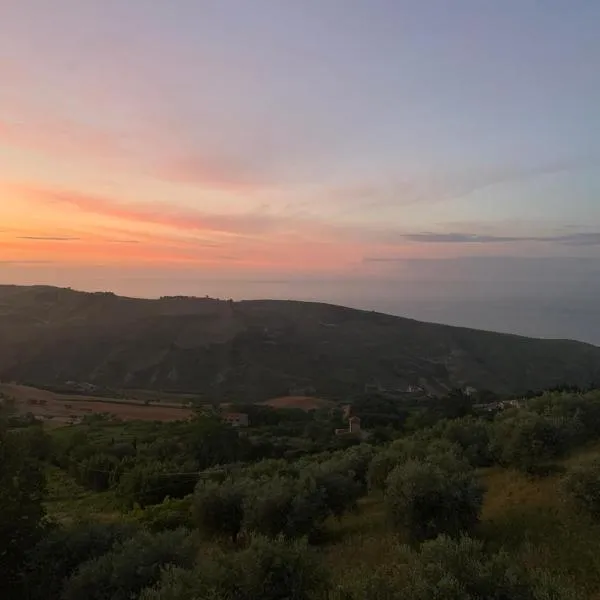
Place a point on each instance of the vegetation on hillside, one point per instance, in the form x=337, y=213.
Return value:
x=258, y=350
x=490, y=504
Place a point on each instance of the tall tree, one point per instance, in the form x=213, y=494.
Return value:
x=21, y=512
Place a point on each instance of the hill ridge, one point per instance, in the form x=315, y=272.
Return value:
x=259, y=349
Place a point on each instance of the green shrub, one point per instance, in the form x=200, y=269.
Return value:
x=309, y=510
x=356, y=460
x=62, y=550
x=450, y=569
x=529, y=441
x=428, y=498
x=277, y=569
x=179, y=584
x=97, y=471
x=123, y=572
x=269, y=569
x=268, y=506
x=171, y=513
x=290, y=507
x=424, y=446
x=149, y=483
x=472, y=435
x=218, y=507
x=380, y=468
x=341, y=490
x=22, y=486
x=582, y=486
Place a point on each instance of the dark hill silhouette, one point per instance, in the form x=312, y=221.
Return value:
x=253, y=350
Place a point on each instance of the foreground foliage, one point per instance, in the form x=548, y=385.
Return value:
x=187, y=516
x=129, y=566
x=21, y=511
x=268, y=569
x=448, y=569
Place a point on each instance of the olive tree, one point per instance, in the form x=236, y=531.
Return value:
x=269, y=569
x=290, y=507
x=428, y=498
x=218, y=508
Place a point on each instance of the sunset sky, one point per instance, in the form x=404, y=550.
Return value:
x=370, y=152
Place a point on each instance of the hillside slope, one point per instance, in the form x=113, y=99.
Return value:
x=260, y=349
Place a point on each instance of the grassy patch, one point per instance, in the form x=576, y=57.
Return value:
x=528, y=517
x=68, y=501
x=359, y=542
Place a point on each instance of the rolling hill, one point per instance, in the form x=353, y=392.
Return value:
x=255, y=350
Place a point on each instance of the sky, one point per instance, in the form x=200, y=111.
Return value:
x=428, y=158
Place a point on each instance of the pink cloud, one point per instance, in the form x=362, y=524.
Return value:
x=143, y=152
x=255, y=241
x=252, y=223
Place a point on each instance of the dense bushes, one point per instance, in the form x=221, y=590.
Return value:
x=426, y=498
x=98, y=471
x=529, y=441
x=150, y=482
x=272, y=508
x=148, y=462
x=21, y=511
x=63, y=549
x=132, y=565
x=471, y=435
x=268, y=569
x=453, y=569
x=581, y=411
x=293, y=503
x=418, y=446
x=293, y=508
x=218, y=508
x=171, y=513
x=582, y=486
x=340, y=489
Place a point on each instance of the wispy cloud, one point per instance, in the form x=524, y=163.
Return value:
x=574, y=239
x=441, y=187
x=212, y=171
x=147, y=153
x=170, y=215
x=48, y=238
x=580, y=239
x=10, y=263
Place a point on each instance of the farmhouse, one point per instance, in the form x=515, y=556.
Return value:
x=352, y=429
x=236, y=419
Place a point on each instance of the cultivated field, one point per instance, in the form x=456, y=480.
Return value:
x=303, y=402
x=65, y=409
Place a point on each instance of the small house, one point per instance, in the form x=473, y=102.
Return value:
x=236, y=419
x=354, y=425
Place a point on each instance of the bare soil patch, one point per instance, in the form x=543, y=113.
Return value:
x=64, y=409
x=303, y=402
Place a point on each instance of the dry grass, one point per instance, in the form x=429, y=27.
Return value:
x=530, y=518
x=360, y=543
